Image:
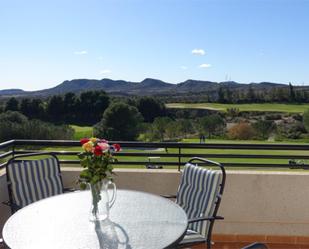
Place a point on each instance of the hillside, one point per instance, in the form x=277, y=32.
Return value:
x=146, y=87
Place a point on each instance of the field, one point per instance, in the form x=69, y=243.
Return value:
x=87, y=132
x=144, y=159
x=82, y=131
x=266, y=107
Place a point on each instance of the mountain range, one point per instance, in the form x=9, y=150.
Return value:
x=146, y=87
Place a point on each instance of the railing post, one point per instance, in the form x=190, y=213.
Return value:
x=13, y=150
x=179, y=158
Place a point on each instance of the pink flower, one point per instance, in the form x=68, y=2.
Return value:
x=104, y=146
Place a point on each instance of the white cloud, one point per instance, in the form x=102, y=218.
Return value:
x=105, y=71
x=184, y=67
x=198, y=51
x=81, y=52
x=204, y=65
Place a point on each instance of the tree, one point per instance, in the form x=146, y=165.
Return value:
x=160, y=125
x=251, y=95
x=185, y=127
x=91, y=106
x=37, y=129
x=120, y=122
x=70, y=107
x=221, y=95
x=25, y=107
x=263, y=128
x=172, y=130
x=32, y=108
x=12, y=105
x=211, y=124
x=306, y=119
x=14, y=125
x=291, y=93
x=37, y=109
x=150, y=108
x=229, y=95
x=55, y=109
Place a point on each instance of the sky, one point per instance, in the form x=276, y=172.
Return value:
x=43, y=43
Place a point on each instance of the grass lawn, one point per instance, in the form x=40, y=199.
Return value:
x=82, y=131
x=86, y=131
x=228, y=141
x=266, y=107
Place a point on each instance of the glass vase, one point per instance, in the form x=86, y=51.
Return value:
x=101, y=202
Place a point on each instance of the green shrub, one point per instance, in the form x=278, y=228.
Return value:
x=14, y=125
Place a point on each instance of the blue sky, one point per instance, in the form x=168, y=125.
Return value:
x=43, y=43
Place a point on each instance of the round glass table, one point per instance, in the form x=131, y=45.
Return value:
x=137, y=220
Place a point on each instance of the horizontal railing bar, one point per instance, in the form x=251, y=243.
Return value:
x=143, y=154
x=249, y=165
x=69, y=153
x=7, y=144
x=6, y=154
x=171, y=145
x=262, y=165
x=228, y=165
x=215, y=155
x=2, y=165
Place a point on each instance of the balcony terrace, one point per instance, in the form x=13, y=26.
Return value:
x=264, y=199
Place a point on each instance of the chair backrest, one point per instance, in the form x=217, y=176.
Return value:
x=33, y=180
x=199, y=194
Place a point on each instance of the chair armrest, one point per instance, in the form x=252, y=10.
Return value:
x=169, y=196
x=197, y=219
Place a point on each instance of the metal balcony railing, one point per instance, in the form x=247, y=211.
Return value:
x=173, y=154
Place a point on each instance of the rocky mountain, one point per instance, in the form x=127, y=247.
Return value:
x=146, y=87
x=12, y=92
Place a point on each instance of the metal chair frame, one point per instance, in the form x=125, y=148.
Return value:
x=256, y=245
x=11, y=202
x=214, y=216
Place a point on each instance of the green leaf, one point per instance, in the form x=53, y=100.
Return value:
x=83, y=186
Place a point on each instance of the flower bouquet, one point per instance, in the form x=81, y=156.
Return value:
x=96, y=159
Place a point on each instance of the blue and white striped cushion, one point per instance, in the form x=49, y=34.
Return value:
x=34, y=180
x=197, y=194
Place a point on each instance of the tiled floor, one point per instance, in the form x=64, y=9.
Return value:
x=236, y=245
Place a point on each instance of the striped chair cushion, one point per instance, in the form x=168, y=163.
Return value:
x=34, y=180
x=192, y=237
x=197, y=194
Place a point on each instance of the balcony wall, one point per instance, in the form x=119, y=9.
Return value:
x=255, y=203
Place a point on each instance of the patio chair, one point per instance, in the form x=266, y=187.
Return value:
x=199, y=194
x=32, y=180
